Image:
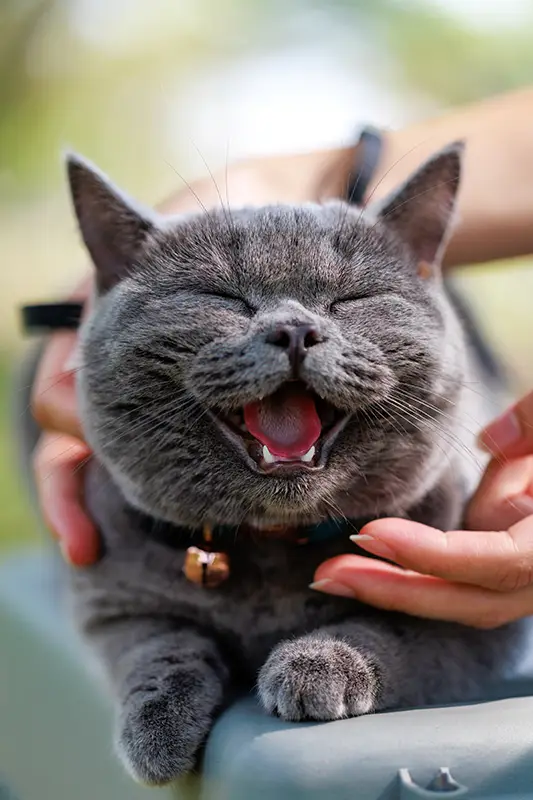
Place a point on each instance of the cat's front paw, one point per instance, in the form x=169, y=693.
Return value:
x=158, y=737
x=317, y=677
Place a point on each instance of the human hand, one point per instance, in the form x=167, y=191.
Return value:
x=482, y=577
x=61, y=452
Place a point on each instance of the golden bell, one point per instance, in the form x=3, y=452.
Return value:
x=205, y=568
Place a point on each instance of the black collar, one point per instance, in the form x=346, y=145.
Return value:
x=224, y=537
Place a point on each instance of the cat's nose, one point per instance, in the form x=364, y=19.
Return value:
x=296, y=340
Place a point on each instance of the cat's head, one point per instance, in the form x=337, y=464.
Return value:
x=278, y=364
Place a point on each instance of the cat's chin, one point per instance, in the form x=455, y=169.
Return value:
x=259, y=458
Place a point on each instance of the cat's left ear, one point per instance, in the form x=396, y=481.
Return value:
x=421, y=212
x=114, y=228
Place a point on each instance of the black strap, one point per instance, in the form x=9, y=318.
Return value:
x=369, y=151
x=46, y=317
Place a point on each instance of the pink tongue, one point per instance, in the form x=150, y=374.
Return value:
x=286, y=422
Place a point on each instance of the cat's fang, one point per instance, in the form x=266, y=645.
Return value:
x=267, y=455
x=271, y=459
x=309, y=455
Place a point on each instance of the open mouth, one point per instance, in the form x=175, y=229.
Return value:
x=291, y=430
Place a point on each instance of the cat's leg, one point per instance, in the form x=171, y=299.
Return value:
x=357, y=667
x=168, y=684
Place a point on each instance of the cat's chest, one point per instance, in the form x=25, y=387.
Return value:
x=265, y=598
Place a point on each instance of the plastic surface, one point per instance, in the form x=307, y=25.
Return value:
x=55, y=731
x=55, y=725
x=479, y=751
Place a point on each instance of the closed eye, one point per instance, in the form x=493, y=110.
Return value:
x=340, y=301
x=232, y=298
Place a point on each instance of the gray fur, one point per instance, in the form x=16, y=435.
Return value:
x=180, y=329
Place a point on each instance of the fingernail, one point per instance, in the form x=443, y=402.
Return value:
x=502, y=433
x=522, y=504
x=332, y=587
x=373, y=545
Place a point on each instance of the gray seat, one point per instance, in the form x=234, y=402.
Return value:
x=55, y=730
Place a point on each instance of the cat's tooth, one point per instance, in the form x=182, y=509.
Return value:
x=309, y=455
x=267, y=455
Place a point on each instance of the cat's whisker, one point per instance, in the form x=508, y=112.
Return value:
x=52, y=384
x=184, y=434
x=406, y=393
x=190, y=189
x=226, y=210
x=141, y=405
x=422, y=415
x=455, y=419
x=245, y=516
x=196, y=421
x=144, y=428
x=101, y=486
x=386, y=173
x=396, y=425
x=168, y=433
x=448, y=436
x=377, y=417
x=149, y=413
x=60, y=455
x=347, y=521
x=469, y=386
x=226, y=182
x=83, y=463
x=418, y=414
x=433, y=373
x=149, y=423
x=387, y=418
x=410, y=199
x=445, y=453
x=336, y=514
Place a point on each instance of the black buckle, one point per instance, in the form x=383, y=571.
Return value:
x=46, y=317
x=369, y=151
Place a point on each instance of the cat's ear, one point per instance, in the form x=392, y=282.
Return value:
x=421, y=211
x=114, y=228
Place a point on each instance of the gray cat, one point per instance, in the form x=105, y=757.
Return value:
x=264, y=371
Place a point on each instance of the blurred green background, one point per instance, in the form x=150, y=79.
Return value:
x=143, y=87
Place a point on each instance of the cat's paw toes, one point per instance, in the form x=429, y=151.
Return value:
x=318, y=678
x=155, y=743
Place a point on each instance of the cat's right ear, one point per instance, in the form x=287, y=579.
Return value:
x=115, y=230
x=421, y=212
